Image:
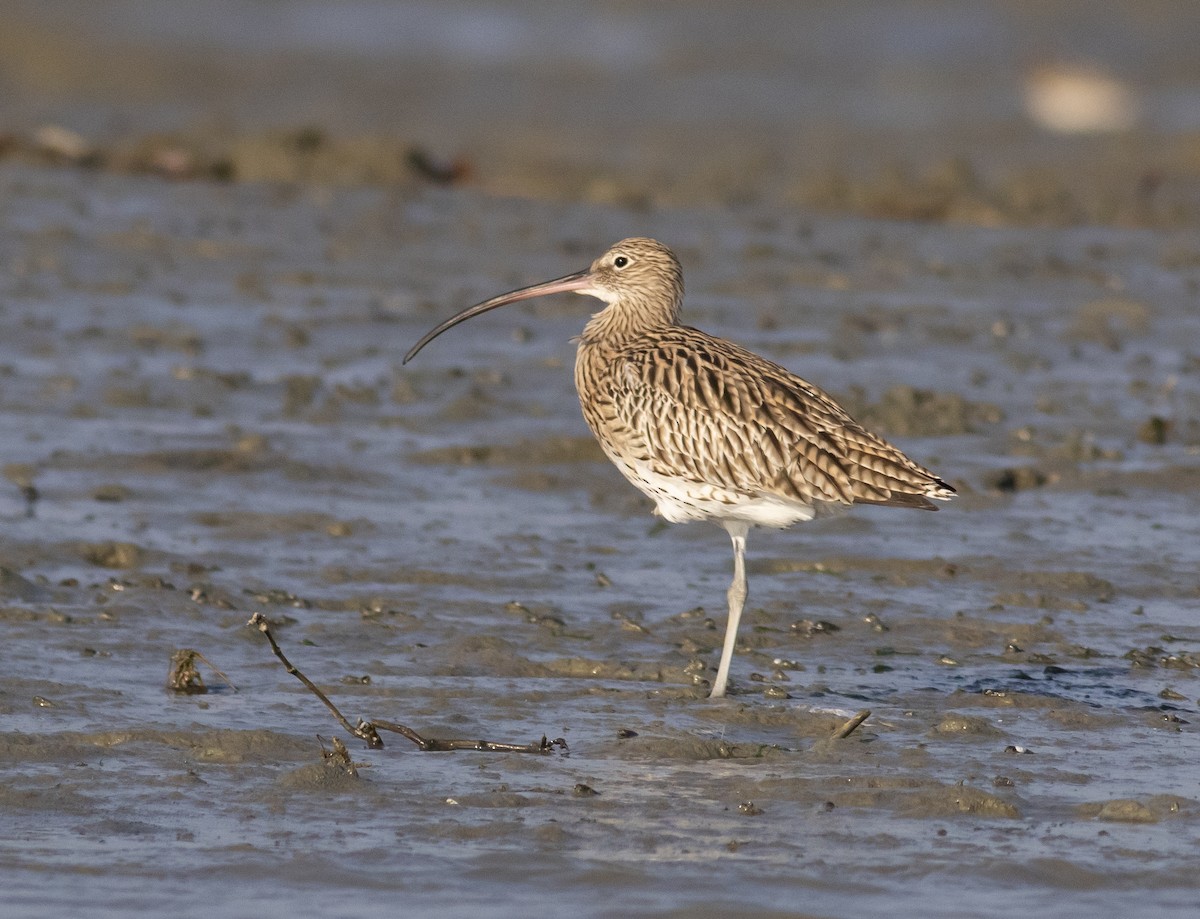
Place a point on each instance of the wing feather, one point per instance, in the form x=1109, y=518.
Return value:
x=708, y=411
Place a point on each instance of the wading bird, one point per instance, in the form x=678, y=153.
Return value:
x=706, y=429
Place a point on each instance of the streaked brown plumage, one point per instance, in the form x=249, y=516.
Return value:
x=707, y=429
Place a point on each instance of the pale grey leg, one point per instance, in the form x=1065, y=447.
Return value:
x=737, y=600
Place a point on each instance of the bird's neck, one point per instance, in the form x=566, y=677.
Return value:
x=623, y=320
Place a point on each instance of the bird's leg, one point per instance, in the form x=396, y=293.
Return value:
x=737, y=600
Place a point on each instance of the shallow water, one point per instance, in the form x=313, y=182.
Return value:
x=202, y=383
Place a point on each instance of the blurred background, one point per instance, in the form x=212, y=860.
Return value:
x=985, y=112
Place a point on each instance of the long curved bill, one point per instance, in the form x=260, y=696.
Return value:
x=581, y=280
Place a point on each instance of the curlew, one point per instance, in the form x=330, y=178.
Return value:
x=706, y=429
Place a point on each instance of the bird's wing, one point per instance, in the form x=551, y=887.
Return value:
x=711, y=412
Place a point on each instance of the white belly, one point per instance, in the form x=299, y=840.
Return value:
x=680, y=501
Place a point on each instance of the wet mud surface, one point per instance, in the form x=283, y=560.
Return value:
x=206, y=417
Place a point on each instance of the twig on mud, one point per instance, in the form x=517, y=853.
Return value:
x=364, y=730
x=368, y=731
x=184, y=676
x=434, y=745
x=852, y=725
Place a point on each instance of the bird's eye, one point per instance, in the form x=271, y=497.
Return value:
x=620, y=261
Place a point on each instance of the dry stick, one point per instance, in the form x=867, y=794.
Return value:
x=367, y=730
x=364, y=731
x=432, y=744
x=852, y=725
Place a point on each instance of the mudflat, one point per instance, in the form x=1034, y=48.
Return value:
x=220, y=232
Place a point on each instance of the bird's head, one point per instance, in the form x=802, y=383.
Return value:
x=639, y=278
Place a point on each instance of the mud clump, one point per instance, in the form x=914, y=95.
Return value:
x=911, y=797
x=956, y=725
x=956, y=800
x=319, y=778
x=1131, y=810
x=121, y=555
